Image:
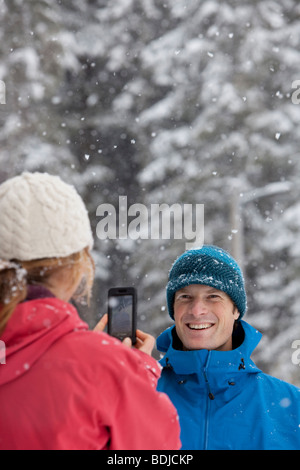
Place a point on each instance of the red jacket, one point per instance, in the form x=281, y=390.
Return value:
x=66, y=387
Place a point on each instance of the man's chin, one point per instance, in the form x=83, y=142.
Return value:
x=195, y=346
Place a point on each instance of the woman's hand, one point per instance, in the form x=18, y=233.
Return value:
x=144, y=341
x=101, y=323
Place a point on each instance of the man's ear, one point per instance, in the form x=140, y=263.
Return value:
x=236, y=313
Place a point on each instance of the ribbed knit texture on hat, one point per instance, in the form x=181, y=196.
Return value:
x=211, y=266
x=41, y=217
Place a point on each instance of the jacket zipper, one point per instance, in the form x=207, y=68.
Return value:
x=209, y=398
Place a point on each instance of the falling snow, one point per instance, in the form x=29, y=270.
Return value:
x=168, y=102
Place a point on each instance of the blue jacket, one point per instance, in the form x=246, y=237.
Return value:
x=224, y=401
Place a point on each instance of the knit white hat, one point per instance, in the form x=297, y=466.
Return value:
x=41, y=217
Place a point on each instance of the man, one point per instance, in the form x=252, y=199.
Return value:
x=223, y=400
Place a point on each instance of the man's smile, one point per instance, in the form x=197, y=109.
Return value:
x=199, y=326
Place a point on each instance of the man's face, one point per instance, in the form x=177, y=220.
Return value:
x=204, y=318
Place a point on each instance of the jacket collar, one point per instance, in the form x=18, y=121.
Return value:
x=189, y=362
x=37, y=292
x=33, y=327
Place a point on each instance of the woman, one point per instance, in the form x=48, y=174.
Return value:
x=61, y=385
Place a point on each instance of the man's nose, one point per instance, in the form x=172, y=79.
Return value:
x=198, y=307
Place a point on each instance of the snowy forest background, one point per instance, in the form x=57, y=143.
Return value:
x=184, y=102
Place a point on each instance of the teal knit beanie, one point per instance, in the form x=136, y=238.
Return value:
x=210, y=266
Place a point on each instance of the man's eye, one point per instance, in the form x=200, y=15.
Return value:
x=183, y=296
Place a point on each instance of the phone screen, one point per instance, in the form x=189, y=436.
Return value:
x=121, y=307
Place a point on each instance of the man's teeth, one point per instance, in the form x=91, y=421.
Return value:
x=202, y=326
